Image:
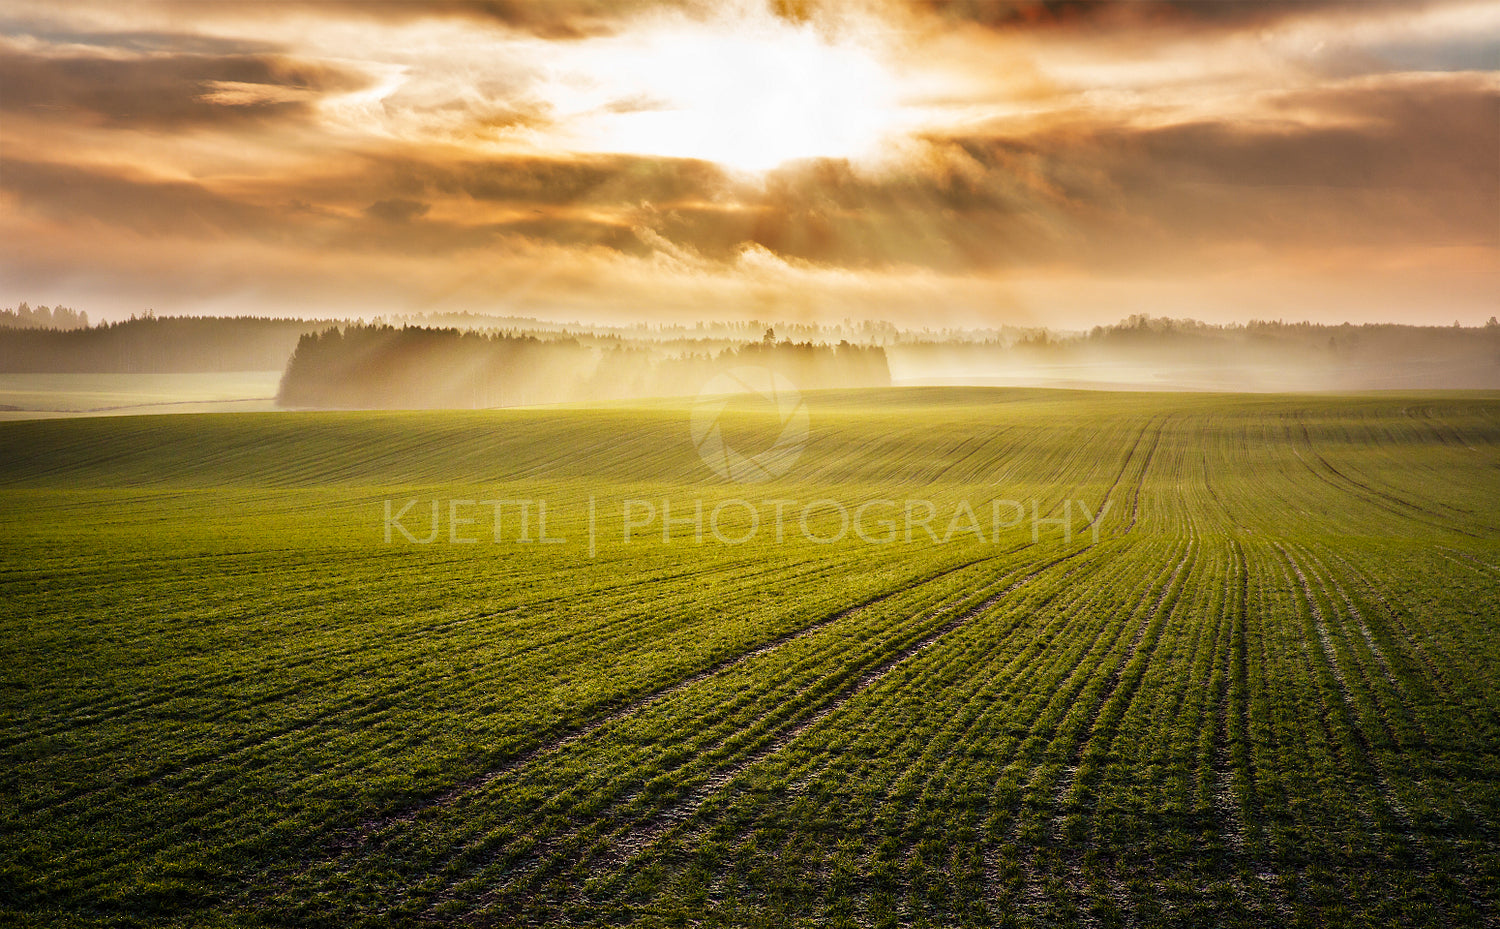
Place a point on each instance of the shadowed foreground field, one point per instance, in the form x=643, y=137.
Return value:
x=1265, y=696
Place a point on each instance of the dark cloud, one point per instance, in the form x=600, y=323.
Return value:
x=575, y=232
x=166, y=90
x=827, y=212
x=143, y=41
x=561, y=20
x=96, y=196
x=397, y=210
x=549, y=19
x=602, y=180
x=553, y=19
x=418, y=235
x=1396, y=164
x=1116, y=14
x=580, y=19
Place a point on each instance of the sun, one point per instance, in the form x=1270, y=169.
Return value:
x=747, y=95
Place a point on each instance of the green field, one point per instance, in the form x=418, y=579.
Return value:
x=1268, y=695
x=45, y=396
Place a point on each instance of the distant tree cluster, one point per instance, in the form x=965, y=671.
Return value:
x=26, y=316
x=413, y=367
x=1258, y=355
x=156, y=344
x=808, y=365
x=385, y=367
x=1277, y=341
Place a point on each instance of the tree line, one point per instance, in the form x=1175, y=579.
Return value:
x=385, y=367
x=674, y=359
x=155, y=345
x=25, y=316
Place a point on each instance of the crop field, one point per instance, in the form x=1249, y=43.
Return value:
x=979, y=657
x=39, y=396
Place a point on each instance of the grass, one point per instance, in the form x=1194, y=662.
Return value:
x=1265, y=697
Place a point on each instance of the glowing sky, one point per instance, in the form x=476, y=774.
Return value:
x=931, y=163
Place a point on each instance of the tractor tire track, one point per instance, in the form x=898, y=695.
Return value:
x=637, y=839
x=1369, y=758
x=551, y=746
x=543, y=859
x=1088, y=733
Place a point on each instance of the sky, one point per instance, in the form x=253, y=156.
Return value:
x=930, y=163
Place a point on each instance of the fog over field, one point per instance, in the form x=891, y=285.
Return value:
x=167, y=364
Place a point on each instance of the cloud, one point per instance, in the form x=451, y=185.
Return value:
x=1399, y=161
x=558, y=20
x=554, y=19
x=168, y=91
x=140, y=41
x=1017, y=15
x=95, y=196
x=99, y=197
x=532, y=180
x=397, y=210
x=1395, y=162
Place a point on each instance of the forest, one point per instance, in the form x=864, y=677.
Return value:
x=153, y=344
x=26, y=316
x=637, y=360
x=385, y=367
